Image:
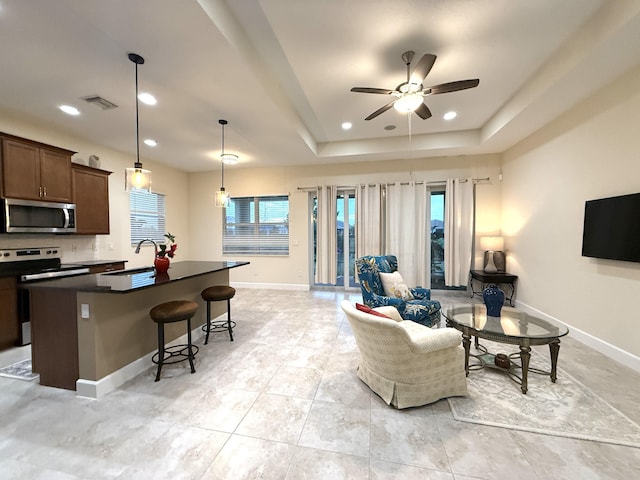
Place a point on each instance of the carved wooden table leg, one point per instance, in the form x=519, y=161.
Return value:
x=554, y=348
x=525, y=356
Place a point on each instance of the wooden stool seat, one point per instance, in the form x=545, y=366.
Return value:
x=169, y=312
x=217, y=293
x=173, y=311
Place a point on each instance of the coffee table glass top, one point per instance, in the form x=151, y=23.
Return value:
x=511, y=322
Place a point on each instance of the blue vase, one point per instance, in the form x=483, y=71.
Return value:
x=493, y=298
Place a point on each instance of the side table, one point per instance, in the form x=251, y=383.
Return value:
x=500, y=278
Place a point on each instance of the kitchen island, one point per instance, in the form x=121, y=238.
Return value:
x=91, y=333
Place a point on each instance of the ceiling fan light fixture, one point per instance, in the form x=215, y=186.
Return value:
x=408, y=102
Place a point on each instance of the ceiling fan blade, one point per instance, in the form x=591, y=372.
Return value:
x=383, y=91
x=423, y=111
x=380, y=110
x=423, y=68
x=452, y=86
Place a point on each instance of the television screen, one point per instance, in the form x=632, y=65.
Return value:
x=612, y=228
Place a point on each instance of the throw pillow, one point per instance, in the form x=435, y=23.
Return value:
x=394, y=286
x=367, y=309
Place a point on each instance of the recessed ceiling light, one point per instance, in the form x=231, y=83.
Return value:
x=69, y=110
x=347, y=125
x=150, y=142
x=147, y=98
x=450, y=115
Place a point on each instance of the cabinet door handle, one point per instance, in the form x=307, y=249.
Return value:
x=40, y=192
x=45, y=191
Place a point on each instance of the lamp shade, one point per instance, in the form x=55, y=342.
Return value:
x=137, y=178
x=222, y=198
x=492, y=244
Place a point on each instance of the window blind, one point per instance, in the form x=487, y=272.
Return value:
x=147, y=216
x=256, y=226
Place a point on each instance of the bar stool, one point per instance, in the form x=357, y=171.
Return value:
x=170, y=312
x=218, y=293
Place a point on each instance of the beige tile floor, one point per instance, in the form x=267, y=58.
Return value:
x=283, y=402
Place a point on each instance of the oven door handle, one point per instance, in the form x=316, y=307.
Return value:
x=51, y=275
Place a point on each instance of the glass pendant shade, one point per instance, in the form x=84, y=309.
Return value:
x=222, y=198
x=137, y=178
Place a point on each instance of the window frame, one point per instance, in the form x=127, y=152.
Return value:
x=259, y=234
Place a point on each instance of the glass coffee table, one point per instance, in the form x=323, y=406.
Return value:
x=513, y=327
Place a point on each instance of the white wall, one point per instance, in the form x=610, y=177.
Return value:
x=592, y=151
x=293, y=271
x=116, y=245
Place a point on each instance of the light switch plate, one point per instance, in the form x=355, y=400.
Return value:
x=84, y=310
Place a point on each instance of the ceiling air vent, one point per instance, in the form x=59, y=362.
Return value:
x=100, y=102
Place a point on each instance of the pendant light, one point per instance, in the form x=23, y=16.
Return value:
x=137, y=178
x=222, y=196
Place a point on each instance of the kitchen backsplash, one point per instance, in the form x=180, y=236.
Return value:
x=73, y=248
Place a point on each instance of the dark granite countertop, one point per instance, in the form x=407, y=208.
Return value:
x=125, y=281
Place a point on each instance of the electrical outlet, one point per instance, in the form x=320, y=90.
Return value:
x=74, y=248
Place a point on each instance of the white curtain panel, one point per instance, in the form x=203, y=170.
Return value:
x=458, y=231
x=326, y=242
x=406, y=235
x=368, y=220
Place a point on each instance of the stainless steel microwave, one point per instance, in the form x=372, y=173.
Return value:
x=29, y=216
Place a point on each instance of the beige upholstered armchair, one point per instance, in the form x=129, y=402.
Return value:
x=405, y=363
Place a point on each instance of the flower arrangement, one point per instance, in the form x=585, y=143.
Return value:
x=171, y=250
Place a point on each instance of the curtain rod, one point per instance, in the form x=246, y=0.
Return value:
x=419, y=182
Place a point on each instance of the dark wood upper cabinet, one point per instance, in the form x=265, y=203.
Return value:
x=91, y=196
x=35, y=171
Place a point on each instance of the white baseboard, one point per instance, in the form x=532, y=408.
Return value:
x=625, y=358
x=271, y=286
x=99, y=388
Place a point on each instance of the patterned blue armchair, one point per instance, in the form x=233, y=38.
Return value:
x=421, y=309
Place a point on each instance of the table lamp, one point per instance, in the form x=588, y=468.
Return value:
x=494, y=260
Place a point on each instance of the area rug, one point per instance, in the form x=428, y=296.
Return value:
x=20, y=370
x=566, y=408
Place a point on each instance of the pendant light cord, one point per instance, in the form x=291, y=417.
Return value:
x=137, y=123
x=222, y=123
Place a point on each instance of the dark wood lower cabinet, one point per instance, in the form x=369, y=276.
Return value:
x=9, y=325
x=54, y=340
x=107, y=267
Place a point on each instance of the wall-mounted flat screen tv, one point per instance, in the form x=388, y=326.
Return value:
x=612, y=228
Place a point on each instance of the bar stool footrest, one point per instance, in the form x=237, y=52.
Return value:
x=179, y=353
x=218, y=326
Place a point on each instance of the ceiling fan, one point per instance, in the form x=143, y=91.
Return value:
x=410, y=94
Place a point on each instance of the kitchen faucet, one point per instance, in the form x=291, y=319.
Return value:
x=145, y=240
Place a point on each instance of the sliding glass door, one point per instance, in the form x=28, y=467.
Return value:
x=345, y=239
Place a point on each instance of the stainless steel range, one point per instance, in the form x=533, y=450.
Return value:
x=30, y=265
